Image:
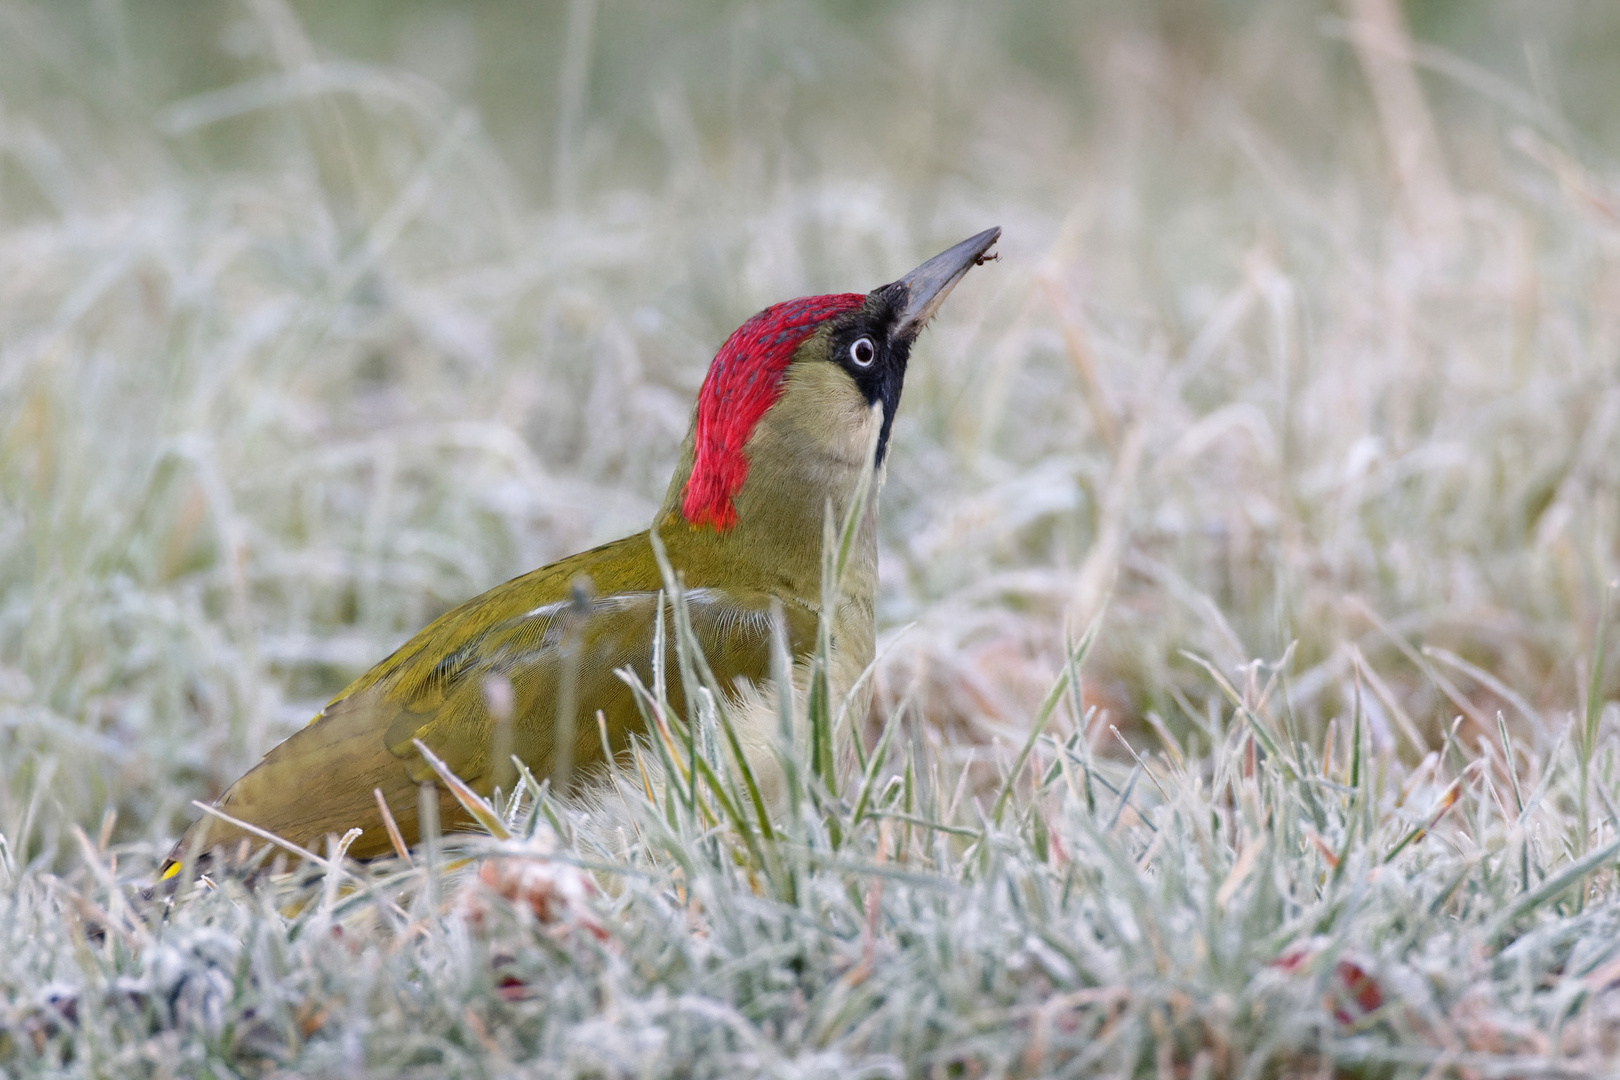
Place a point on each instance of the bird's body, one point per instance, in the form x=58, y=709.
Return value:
x=781, y=431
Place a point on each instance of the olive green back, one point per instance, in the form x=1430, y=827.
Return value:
x=485, y=681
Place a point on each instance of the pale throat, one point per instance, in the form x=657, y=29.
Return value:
x=812, y=447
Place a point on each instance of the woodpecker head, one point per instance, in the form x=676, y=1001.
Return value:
x=785, y=414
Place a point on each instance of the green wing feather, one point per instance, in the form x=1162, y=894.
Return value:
x=517, y=645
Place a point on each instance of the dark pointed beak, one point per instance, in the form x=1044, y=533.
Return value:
x=927, y=286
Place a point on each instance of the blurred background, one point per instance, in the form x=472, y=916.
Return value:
x=316, y=319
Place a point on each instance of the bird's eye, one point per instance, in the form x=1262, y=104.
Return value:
x=863, y=352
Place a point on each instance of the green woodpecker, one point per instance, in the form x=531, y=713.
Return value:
x=782, y=427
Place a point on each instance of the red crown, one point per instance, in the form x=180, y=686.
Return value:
x=743, y=383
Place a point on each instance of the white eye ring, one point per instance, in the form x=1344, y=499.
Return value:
x=863, y=352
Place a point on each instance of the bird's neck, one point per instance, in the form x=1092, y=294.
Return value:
x=806, y=452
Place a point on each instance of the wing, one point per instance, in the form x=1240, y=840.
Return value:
x=523, y=669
